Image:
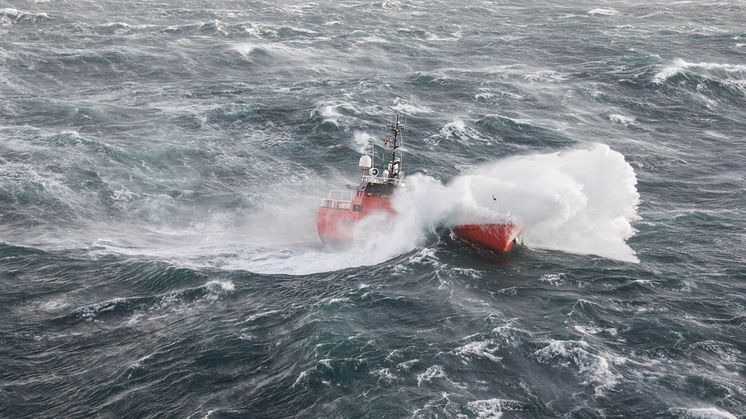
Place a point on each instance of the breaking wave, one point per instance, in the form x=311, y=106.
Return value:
x=10, y=16
x=602, y=12
x=727, y=73
x=580, y=201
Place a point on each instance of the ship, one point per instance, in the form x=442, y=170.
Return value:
x=341, y=214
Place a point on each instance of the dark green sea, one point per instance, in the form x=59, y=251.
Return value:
x=161, y=164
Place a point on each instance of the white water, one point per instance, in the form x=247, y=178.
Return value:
x=580, y=201
x=714, y=70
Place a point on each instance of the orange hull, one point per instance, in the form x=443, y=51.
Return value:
x=336, y=225
x=496, y=237
x=335, y=220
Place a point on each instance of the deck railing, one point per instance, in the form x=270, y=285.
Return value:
x=381, y=180
x=338, y=200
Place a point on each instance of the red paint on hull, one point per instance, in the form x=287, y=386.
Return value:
x=496, y=237
x=335, y=223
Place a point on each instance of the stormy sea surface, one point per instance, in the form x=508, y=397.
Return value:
x=161, y=164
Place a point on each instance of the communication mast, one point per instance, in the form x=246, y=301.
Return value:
x=397, y=128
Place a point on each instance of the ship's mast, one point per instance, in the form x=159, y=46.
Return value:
x=397, y=128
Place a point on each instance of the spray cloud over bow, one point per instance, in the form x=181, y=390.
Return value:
x=580, y=201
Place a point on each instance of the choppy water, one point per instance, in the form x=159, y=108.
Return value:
x=160, y=164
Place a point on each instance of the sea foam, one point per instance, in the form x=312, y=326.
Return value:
x=679, y=66
x=602, y=12
x=581, y=200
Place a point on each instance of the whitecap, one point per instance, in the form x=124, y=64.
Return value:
x=384, y=374
x=335, y=300
x=302, y=378
x=510, y=334
x=9, y=16
x=226, y=286
x=455, y=127
x=679, y=65
x=329, y=112
x=257, y=316
x=622, y=119
x=553, y=279
x=593, y=330
x=426, y=256
x=91, y=311
x=602, y=12
x=468, y=272
x=545, y=76
x=410, y=109
x=479, y=349
x=407, y=365
x=54, y=305
x=454, y=36
x=508, y=291
x=484, y=96
x=494, y=408
x=247, y=49
x=706, y=413
x=431, y=373
x=593, y=368
x=371, y=39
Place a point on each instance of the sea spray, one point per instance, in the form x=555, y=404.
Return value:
x=581, y=201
